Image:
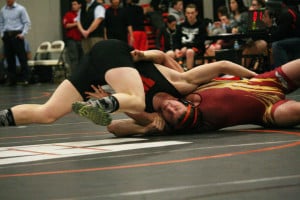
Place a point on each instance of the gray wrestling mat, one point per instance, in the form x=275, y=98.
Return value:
x=74, y=159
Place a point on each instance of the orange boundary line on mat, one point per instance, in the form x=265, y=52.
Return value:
x=168, y=162
x=273, y=131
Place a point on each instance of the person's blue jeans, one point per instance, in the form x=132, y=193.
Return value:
x=285, y=50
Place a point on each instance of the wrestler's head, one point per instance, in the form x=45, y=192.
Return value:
x=180, y=114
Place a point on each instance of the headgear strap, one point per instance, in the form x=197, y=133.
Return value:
x=186, y=117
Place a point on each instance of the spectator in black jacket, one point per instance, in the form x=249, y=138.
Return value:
x=190, y=36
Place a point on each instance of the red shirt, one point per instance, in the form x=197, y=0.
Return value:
x=72, y=33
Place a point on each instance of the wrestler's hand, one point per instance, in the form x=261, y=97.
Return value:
x=137, y=55
x=158, y=124
x=98, y=92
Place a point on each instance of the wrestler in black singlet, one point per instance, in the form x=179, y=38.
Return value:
x=154, y=82
x=110, y=54
x=103, y=56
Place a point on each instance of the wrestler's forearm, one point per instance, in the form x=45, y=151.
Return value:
x=155, y=56
x=126, y=127
x=142, y=118
x=162, y=58
x=140, y=124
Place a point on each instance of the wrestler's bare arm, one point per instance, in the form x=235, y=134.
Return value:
x=126, y=127
x=144, y=125
x=158, y=57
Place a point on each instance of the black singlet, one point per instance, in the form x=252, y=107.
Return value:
x=154, y=82
x=105, y=55
x=110, y=54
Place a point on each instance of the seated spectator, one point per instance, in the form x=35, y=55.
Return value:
x=239, y=15
x=258, y=47
x=219, y=27
x=285, y=50
x=176, y=9
x=286, y=38
x=165, y=36
x=190, y=37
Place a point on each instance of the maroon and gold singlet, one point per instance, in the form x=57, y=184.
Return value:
x=250, y=101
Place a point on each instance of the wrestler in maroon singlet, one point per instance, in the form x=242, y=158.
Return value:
x=250, y=101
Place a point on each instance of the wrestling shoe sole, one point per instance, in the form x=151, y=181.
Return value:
x=77, y=106
x=95, y=114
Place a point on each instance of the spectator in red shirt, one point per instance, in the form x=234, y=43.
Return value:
x=73, y=35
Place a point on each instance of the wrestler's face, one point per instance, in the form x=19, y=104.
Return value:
x=172, y=110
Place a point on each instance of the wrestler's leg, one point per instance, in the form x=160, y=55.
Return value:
x=57, y=106
x=287, y=114
x=190, y=55
x=129, y=89
x=128, y=97
x=292, y=70
x=188, y=81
